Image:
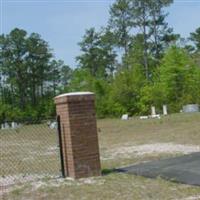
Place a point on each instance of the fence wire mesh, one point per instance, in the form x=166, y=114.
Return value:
x=28, y=151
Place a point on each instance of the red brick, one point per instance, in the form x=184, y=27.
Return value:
x=79, y=133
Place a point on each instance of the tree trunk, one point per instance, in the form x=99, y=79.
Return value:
x=145, y=55
x=155, y=34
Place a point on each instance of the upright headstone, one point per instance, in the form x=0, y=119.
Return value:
x=153, y=111
x=79, y=134
x=190, y=108
x=144, y=117
x=124, y=117
x=53, y=125
x=2, y=126
x=6, y=125
x=164, y=109
x=14, y=125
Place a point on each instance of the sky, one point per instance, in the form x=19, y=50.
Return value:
x=62, y=23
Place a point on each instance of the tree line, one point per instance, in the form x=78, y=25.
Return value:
x=134, y=61
x=29, y=76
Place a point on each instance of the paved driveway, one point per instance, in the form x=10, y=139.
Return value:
x=183, y=169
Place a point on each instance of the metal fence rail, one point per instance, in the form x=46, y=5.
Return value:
x=28, y=150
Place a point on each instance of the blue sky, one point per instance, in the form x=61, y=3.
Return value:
x=63, y=22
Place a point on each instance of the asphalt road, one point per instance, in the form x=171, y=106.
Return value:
x=183, y=169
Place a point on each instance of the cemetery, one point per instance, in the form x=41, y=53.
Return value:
x=99, y=100
x=162, y=152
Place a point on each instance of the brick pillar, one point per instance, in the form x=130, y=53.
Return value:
x=79, y=134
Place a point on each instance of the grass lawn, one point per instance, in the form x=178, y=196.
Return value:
x=122, y=143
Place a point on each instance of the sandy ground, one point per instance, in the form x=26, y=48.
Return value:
x=39, y=182
x=128, y=151
x=191, y=198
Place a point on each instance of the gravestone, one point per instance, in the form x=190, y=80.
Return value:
x=164, y=109
x=14, y=125
x=153, y=110
x=6, y=125
x=2, y=126
x=124, y=117
x=53, y=125
x=190, y=108
x=144, y=117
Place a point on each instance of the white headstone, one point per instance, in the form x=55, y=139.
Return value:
x=6, y=125
x=155, y=116
x=2, y=126
x=124, y=117
x=144, y=117
x=14, y=125
x=164, y=109
x=153, y=110
x=190, y=108
x=53, y=125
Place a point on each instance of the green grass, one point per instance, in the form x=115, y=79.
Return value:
x=113, y=133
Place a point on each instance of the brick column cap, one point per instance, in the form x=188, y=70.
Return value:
x=74, y=96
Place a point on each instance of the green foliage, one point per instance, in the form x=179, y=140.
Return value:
x=29, y=76
x=98, y=57
x=126, y=89
x=121, y=23
x=151, y=70
x=177, y=82
x=9, y=113
x=195, y=37
x=81, y=80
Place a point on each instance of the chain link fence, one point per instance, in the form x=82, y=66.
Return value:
x=28, y=150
